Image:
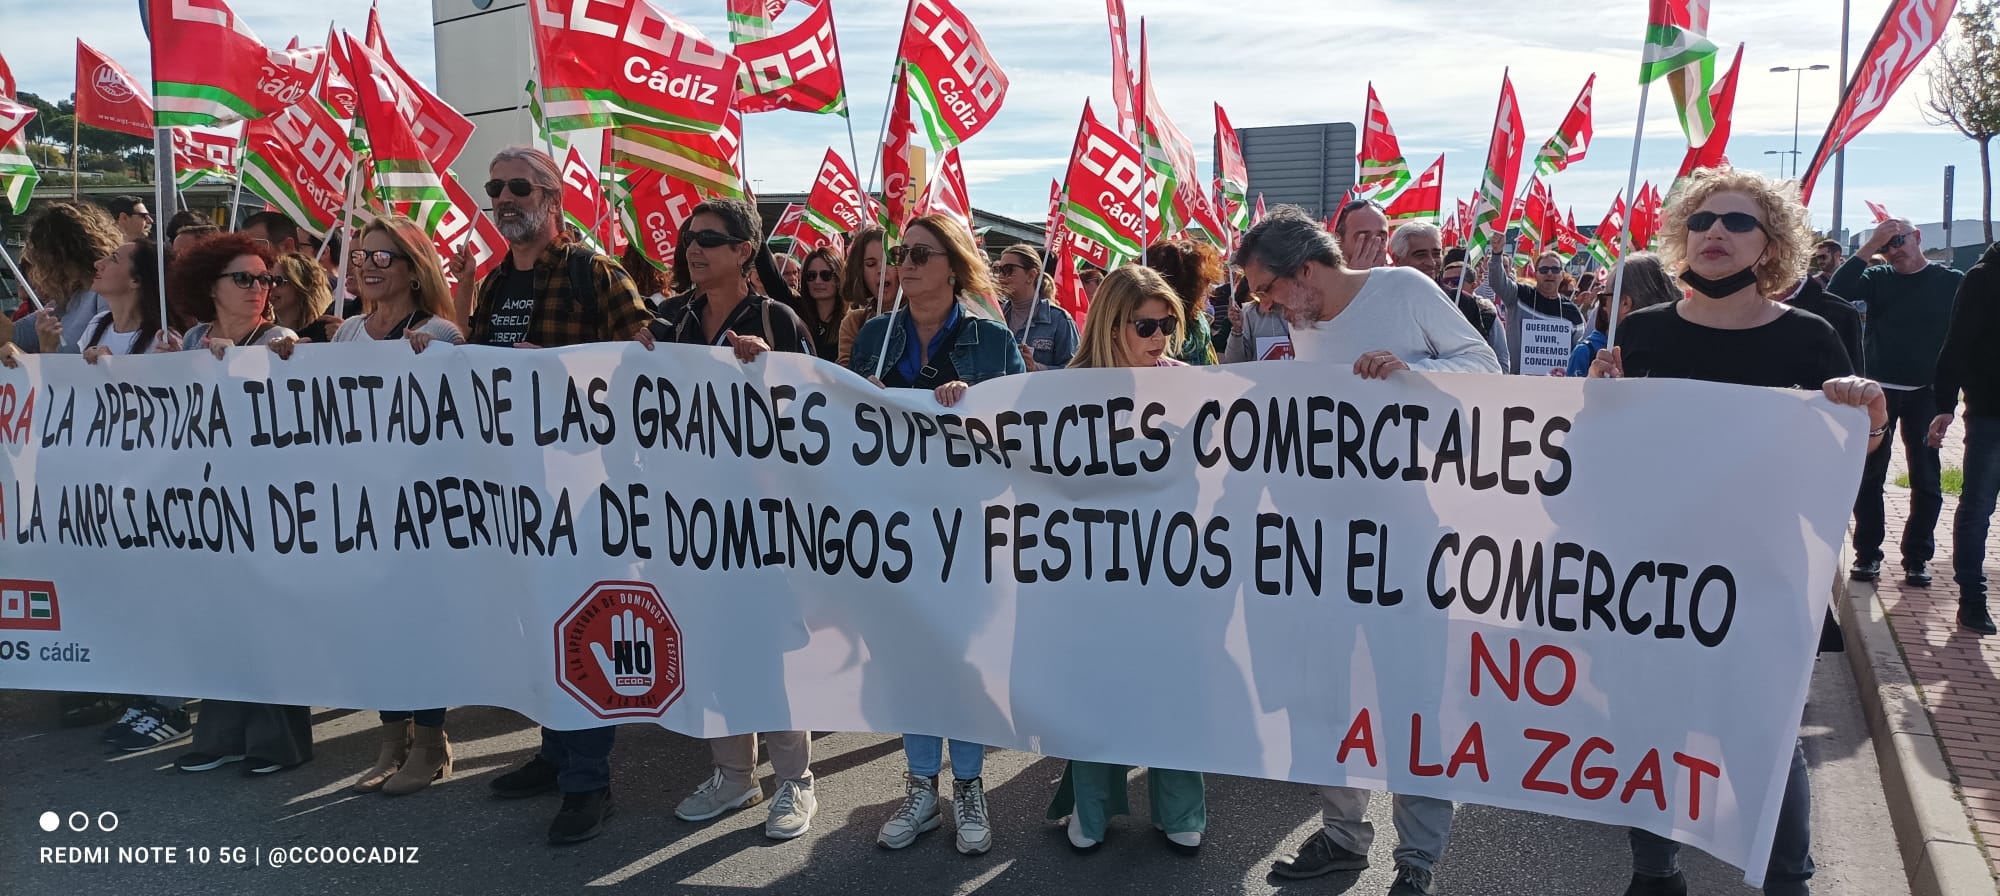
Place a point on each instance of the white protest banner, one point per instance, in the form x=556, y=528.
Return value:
x=1545, y=343
x=1551, y=595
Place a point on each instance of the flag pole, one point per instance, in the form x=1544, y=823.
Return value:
x=896, y=82
x=1146, y=165
x=847, y=115
x=236, y=194
x=75, y=158
x=346, y=233
x=165, y=188
x=1625, y=229
x=22, y=279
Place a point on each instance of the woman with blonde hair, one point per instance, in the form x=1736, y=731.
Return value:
x=1045, y=332
x=402, y=285
x=936, y=344
x=1740, y=240
x=63, y=249
x=1136, y=320
x=303, y=300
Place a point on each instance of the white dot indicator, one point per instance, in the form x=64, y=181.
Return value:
x=51, y=821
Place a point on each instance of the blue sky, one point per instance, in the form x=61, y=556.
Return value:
x=1267, y=62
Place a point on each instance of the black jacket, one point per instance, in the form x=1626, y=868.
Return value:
x=1971, y=356
x=1837, y=311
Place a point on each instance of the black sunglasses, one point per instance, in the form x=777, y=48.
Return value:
x=916, y=255
x=247, y=280
x=713, y=239
x=1734, y=222
x=1008, y=268
x=1897, y=241
x=1148, y=326
x=380, y=259
x=810, y=276
x=519, y=186
x=1549, y=269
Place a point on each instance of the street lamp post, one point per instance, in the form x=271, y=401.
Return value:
x=1798, y=84
x=1781, y=159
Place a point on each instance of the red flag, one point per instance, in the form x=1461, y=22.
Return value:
x=583, y=198
x=1382, y=163
x=1421, y=199
x=1881, y=214
x=947, y=194
x=6, y=80
x=951, y=76
x=402, y=167
x=336, y=81
x=1908, y=31
x=606, y=63
x=209, y=68
x=1105, y=183
x=1645, y=217
x=438, y=128
x=1122, y=95
x=1721, y=99
x=797, y=70
x=14, y=118
x=835, y=204
x=1503, y=169
x=1069, y=294
x=795, y=226
x=299, y=160
x=1572, y=139
x=204, y=149
x=1536, y=206
x=1568, y=241
x=658, y=206
x=1259, y=214
x=898, y=188
x=1052, y=229
x=1604, y=244
x=108, y=97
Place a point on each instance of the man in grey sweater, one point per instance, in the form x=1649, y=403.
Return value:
x=1909, y=308
x=1382, y=321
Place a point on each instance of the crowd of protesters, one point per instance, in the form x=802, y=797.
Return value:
x=1740, y=293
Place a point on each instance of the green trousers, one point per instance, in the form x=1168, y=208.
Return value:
x=1095, y=791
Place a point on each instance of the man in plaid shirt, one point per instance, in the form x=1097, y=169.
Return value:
x=550, y=293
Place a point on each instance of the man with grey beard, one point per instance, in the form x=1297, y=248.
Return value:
x=550, y=292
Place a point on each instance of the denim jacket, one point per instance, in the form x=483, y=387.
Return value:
x=984, y=348
x=1051, y=333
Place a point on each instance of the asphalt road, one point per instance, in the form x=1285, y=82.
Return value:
x=468, y=842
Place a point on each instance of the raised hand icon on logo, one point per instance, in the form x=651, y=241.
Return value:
x=629, y=664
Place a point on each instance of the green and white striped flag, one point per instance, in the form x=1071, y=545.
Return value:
x=1678, y=49
x=17, y=174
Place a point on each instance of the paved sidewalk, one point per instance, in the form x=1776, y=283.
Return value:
x=1958, y=673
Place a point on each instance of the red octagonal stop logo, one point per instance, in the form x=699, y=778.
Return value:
x=621, y=651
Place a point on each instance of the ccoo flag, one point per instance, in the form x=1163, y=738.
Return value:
x=209, y=68
x=1382, y=163
x=953, y=81
x=1572, y=138
x=798, y=70
x=607, y=63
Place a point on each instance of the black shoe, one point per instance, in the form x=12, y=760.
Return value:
x=582, y=816
x=1648, y=885
x=534, y=778
x=1975, y=618
x=1411, y=881
x=153, y=728
x=1317, y=856
x=1918, y=576
x=116, y=731
x=1865, y=570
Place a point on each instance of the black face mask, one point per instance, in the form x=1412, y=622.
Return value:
x=1723, y=288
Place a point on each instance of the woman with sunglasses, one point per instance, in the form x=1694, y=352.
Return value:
x=819, y=303
x=1046, y=333
x=302, y=298
x=1743, y=241
x=402, y=285
x=717, y=256
x=1137, y=320
x=935, y=343
x=865, y=272
x=716, y=259
x=225, y=282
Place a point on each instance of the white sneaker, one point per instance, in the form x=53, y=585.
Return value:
x=917, y=814
x=1077, y=839
x=715, y=797
x=791, y=810
x=968, y=816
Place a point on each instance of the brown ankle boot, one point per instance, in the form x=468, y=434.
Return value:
x=430, y=760
x=395, y=749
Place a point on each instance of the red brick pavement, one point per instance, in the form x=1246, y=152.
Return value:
x=1957, y=673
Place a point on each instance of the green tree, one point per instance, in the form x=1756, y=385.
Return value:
x=1965, y=89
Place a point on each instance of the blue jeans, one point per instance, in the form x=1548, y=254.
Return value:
x=925, y=754
x=1975, y=508
x=582, y=758
x=1910, y=411
x=1791, y=864
x=428, y=718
